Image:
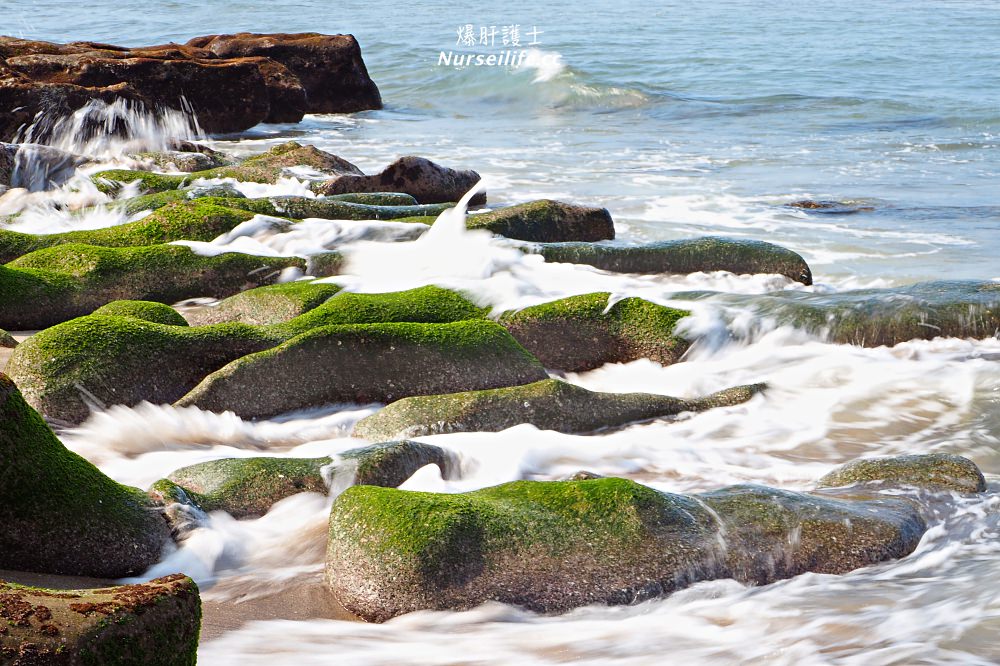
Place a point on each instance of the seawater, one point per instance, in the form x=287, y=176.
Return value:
x=683, y=119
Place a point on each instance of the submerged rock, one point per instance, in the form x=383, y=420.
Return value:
x=155, y=623
x=551, y=546
x=273, y=304
x=249, y=487
x=683, y=256
x=581, y=332
x=549, y=404
x=547, y=221
x=158, y=313
x=367, y=363
x=35, y=167
x=935, y=471
x=877, y=317
x=59, y=283
x=266, y=167
x=426, y=181
x=60, y=514
x=64, y=370
x=230, y=82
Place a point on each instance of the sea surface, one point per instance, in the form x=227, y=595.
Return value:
x=683, y=119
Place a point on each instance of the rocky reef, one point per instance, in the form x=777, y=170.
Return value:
x=231, y=82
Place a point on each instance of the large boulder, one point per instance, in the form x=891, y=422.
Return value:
x=933, y=471
x=60, y=514
x=305, y=73
x=683, y=256
x=155, y=623
x=249, y=487
x=426, y=181
x=549, y=404
x=367, y=363
x=547, y=221
x=55, y=284
x=582, y=332
x=551, y=546
x=328, y=67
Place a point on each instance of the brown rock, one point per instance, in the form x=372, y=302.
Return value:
x=424, y=180
x=232, y=84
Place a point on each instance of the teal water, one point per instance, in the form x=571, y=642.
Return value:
x=680, y=118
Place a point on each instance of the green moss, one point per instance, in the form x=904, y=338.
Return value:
x=157, y=313
x=111, y=181
x=445, y=532
x=428, y=304
x=581, y=332
x=549, y=405
x=58, y=513
x=58, y=283
x=198, y=220
x=683, y=256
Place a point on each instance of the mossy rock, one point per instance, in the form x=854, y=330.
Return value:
x=249, y=487
x=885, y=317
x=684, y=256
x=177, y=220
x=366, y=363
x=267, y=167
x=65, y=370
x=547, y=221
x=99, y=360
x=581, y=332
x=7, y=340
x=158, y=313
x=59, y=283
x=549, y=404
x=934, y=471
x=328, y=208
x=272, y=304
x=155, y=624
x=60, y=514
x=186, y=161
x=551, y=546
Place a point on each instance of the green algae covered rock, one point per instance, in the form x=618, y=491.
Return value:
x=551, y=546
x=267, y=167
x=60, y=514
x=66, y=281
x=179, y=220
x=248, y=487
x=367, y=363
x=155, y=624
x=64, y=370
x=102, y=360
x=547, y=221
x=684, y=256
x=272, y=304
x=877, y=317
x=549, y=405
x=935, y=471
x=158, y=313
x=582, y=332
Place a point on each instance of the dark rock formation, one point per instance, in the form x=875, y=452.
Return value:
x=426, y=181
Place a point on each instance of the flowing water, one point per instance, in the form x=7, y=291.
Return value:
x=683, y=120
